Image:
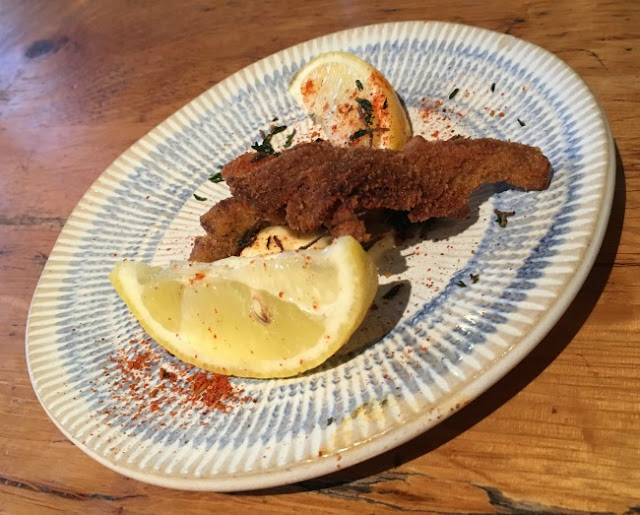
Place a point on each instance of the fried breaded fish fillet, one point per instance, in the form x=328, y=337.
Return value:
x=318, y=186
x=230, y=224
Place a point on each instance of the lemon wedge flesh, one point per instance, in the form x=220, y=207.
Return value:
x=269, y=316
x=353, y=101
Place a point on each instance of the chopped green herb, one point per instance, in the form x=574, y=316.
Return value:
x=501, y=217
x=522, y=124
x=330, y=421
x=359, y=133
x=268, y=242
x=312, y=242
x=275, y=129
x=265, y=148
x=363, y=132
x=287, y=143
x=453, y=93
x=359, y=85
x=474, y=278
x=457, y=136
x=275, y=119
x=198, y=197
x=367, y=108
x=277, y=241
x=393, y=291
x=216, y=177
x=493, y=87
x=461, y=284
x=249, y=237
x=383, y=402
x=384, y=106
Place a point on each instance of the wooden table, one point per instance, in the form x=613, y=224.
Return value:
x=81, y=81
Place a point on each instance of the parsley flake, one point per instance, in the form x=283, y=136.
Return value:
x=363, y=132
x=359, y=85
x=367, y=108
x=493, y=87
x=461, y=284
x=454, y=93
x=330, y=421
x=198, y=197
x=522, y=124
x=216, y=177
x=501, y=217
x=359, y=133
x=265, y=148
x=474, y=278
x=277, y=241
x=287, y=143
x=275, y=129
x=249, y=237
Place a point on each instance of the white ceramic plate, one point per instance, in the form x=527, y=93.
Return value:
x=447, y=343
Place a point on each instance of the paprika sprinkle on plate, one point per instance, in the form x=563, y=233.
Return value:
x=148, y=383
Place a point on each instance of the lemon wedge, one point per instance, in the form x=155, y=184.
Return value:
x=269, y=316
x=352, y=101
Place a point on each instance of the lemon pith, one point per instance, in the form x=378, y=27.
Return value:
x=334, y=89
x=270, y=316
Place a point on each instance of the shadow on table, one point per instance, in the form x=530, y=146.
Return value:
x=526, y=371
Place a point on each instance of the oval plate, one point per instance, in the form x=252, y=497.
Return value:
x=428, y=350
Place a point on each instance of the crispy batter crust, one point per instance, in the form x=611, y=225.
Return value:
x=230, y=224
x=315, y=185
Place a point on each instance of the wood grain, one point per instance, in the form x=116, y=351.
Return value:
x=82, y=81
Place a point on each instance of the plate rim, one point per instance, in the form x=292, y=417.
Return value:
x=390, y=438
